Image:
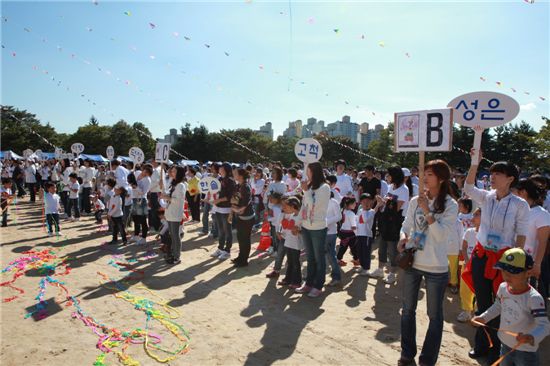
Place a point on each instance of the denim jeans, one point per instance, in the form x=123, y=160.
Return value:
x=436, y=284
x=281, y=253
x=174, y=229
x=225, y=235
x=518, y=358
x=315, y=243
x=205, y=216
x=335, y=274
x=154, y=220
x=53, y=222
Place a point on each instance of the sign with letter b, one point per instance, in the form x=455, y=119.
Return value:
x=430, y=130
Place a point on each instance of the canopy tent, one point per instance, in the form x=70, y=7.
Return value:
x=96, y=158
x=188, y=162
x=10, y=154
x=123, y=158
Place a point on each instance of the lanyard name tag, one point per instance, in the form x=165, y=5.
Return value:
x=418, y=240
x=494, y=241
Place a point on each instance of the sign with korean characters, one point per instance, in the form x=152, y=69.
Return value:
x=136, y=154
x=110, y=152
x=77, y=148
x=162, y=152
x=483, y=110
x=209, y=184
x=58, y=153
x=428, y=130
x=38, y=154
x=308, y=150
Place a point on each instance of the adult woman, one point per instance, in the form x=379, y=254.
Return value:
x=223, y=208
x=193, y=193
x=429, y=221
x=503, y=226
x=389, y=223
x=174, y=211
x=66, y=169
x=537, y=232
x=314, y=228
x=243, y=209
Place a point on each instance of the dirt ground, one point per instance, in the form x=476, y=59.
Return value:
x=233, y=316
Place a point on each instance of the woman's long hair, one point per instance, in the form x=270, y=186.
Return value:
x=443, y=172
x=180, y=177
x=317, y=175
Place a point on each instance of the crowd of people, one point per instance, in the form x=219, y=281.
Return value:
x=485, y=241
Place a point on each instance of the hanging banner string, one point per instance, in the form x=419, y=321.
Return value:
x=245, y=147
x=30, y=129
x=327, y=138
x=466, y=152
x=172, y=150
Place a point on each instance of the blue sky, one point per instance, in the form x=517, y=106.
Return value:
x=133, y=71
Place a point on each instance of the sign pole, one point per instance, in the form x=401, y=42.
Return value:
x=421, y=159
x=478, y=133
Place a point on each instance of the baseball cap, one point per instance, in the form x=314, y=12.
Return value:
x=515, y=260
x=406, y=172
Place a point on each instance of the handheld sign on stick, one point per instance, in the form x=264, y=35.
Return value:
x=308, y=150
x=429, y=130
x=137, y=156
x=483, y=110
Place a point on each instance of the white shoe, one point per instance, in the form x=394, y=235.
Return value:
x=364, y=272
x=390, y=279
x=377, y=273
x=59, y=233
x=358, y=269
x=216, y=253
x=269, y=251
x=50, y=234
x=224, y=255
x=464, y=317
x=133, y=239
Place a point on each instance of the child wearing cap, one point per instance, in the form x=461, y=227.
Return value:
x=523, y=320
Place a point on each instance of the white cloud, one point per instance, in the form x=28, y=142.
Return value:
x=528, y=106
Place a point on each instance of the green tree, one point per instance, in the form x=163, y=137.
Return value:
x=541, y=146
x=123, y=137
x=95, y=139
x=93, y=121
x=146, y=141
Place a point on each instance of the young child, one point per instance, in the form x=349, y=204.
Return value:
x=51, y=208
x=453, y=250
x=347, y=231
x=6, y=196
x=74, y=187
x=332, y=180
x=273, y=216
x=290, y=239
x=127, y=208
x=465, y=215
x=468, y=244
x=110, y=184
x=164, y=234
x=115, y=214
x=365, y=220
x=99, y=208
x=523, y=319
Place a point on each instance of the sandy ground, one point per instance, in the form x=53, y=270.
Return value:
x=234, y=316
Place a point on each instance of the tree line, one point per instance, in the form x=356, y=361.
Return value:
x=518, y=143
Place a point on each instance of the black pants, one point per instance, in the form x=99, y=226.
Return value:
x=20, y=188
x=541, y=284
x=293, y=267
x=73, y=202
x=86, y=206
x=99, y=216
x=4, y=208
x=244, y=231
x=364, y=248
x=194, y=206
x=65, y=202
x=140, y=225
x=53, y=220
x=349, y=241
x=154, y=220
x=118, y=226
x=485, y=298
x=31, y=187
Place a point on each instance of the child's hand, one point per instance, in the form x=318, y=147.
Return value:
x=401, y=245
x=477, y=319
x=525, y=338
x=295, y=230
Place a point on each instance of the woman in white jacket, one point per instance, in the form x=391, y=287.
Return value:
x=174, y=211
x=430, y=220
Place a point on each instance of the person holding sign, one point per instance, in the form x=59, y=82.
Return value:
x=243, y=209
x=30, y=179
x=314, y=228
x=174, y=211
x=193, y=193
x=223, y=209
x=429, y=221
x=503, y=225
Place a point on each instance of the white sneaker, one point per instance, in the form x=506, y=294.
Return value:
x=390, y=279
x=133, y=239
x=269, y=251
x=216, y=253
x=50, y=234
x=377, y=273
x=464, y=317
x=59, y=233
x=358, y=269
x=224, y=255
x=364, y=272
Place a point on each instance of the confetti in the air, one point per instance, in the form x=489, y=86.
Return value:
x=187, y=38
x=206, y=45
x=128, y=13
x=152, y=25
x=381, y=44
x=482, y=78
x=175, y=34
x=336, y=30
x=542, y=98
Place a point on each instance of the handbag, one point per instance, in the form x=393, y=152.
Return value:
x=405, y=259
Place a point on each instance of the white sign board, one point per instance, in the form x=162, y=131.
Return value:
x=209, y=184
x=485, y=109
x=162, y=152
x=58, y=153
x=110, y=152
x=77, y=148
x=7, y=155
x=27, y=153
x=38, y=154
x=136, y=154
x=308, y=150
x=429, y=130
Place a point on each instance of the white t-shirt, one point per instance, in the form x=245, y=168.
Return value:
x=365, y=219
x=349, y=220
x=257, y=186
x=121, y=176
x=87, y=176
x=333, y=216
x=75, y=188
x=287, y=223
x=45, y=173
x=344, y=184
x=30, y=172
x=454, y=242
x=115, y=206
x=175, y=210
x=546, y=203
x=274, y=214
x=292, y=185
x=470, y=237
x=402, y=194
x=384, y=188
x=99, y=205
x=538, y=217
x=466, y=220
x=51, y=201
x=336, y=195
